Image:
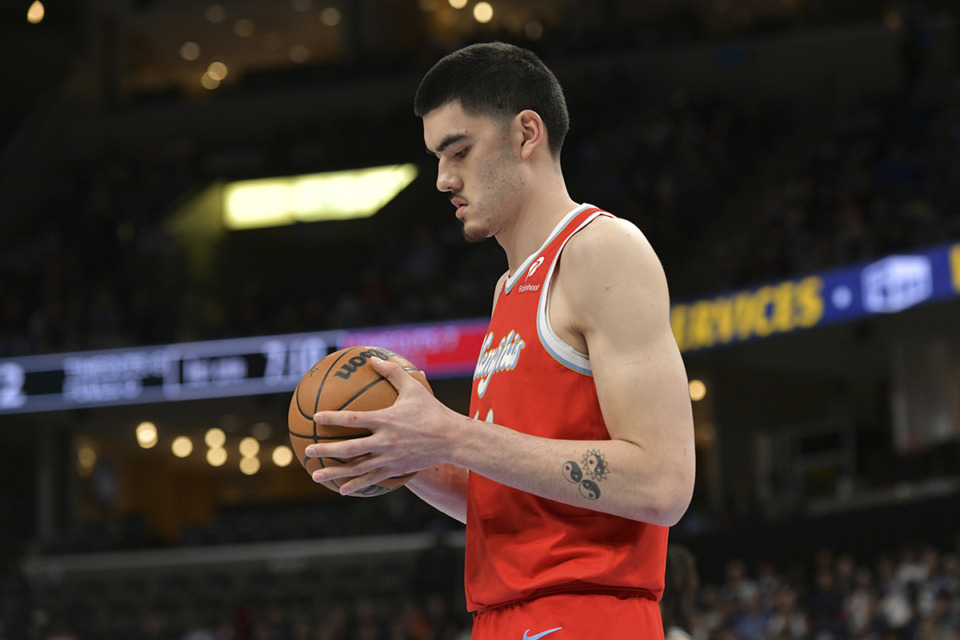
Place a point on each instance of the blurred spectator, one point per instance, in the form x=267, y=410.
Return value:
x=788, y=620
x=826, y=605
x=681, y=583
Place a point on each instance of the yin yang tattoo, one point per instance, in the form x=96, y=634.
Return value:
x=572, y=471
x=589, y=490
x=587, y=473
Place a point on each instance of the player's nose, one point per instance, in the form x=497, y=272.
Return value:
x=446, y=179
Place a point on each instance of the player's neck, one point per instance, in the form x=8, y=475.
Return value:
x=534, y=223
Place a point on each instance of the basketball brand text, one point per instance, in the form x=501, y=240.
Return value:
x=350, y=366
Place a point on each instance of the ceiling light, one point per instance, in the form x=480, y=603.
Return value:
x=216, y=13
x=330, y=17
x=218, y=70
x=698, y=390
x=147, y=435
x=338, y=195
x=483, y=12
x=36, y=12
x=216, y=457
x=249, y=466
x=282, y=456
x=249, y=447
x=215, y=437
x=182, y=446
x=190, y=51
x=86, y=459
x=208, y=81
x=243, y=28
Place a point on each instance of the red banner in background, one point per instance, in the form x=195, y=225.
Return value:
x=439, y=350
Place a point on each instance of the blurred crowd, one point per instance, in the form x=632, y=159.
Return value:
x=910, y=593
x=730, y=191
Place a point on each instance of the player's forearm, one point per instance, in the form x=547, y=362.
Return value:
x=611, y=476
x=444, y=487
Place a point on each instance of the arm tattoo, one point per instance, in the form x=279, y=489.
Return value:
x=587, y=473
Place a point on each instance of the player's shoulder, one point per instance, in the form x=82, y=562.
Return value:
x=612, y=255
x=609, y=239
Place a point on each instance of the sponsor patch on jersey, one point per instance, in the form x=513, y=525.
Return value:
x=533, y=267
x=528, y=288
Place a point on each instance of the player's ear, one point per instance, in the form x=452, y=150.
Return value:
x=530, y=131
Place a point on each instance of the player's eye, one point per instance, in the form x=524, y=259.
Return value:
x=462, y=153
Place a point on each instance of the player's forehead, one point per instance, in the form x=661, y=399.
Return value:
x=450, y=121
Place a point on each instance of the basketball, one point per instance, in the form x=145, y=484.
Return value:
x=344, y=380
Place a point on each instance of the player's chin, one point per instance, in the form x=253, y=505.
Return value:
x=474, y=233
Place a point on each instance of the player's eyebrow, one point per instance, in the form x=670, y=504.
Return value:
x=446, y=142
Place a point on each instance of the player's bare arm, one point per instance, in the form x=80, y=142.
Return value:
x=445, y=486
x=611, y=301
x=646, y=469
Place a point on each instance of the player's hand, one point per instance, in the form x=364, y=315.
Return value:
x=415, y=433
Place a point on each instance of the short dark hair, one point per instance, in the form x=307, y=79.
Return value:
x=497, y=80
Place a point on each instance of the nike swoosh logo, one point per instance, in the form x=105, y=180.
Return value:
x=539, y=635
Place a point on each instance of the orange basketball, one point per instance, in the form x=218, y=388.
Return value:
x=344, y=380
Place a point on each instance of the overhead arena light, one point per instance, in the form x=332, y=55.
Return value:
x=340, y=195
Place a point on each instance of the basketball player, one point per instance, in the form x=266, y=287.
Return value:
x=578, y=451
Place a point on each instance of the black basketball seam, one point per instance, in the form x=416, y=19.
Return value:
x=360, y=393
x=317, y=400
x=367, y=388
x=326, y=374
x=317, y=438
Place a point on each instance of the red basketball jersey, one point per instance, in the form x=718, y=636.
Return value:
x=520, y=545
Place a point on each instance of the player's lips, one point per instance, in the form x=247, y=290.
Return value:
x=460, y=204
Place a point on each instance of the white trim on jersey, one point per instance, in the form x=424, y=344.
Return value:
x=555, y=346
x=514, y=277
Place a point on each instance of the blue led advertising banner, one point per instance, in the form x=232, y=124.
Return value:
x=274, y=364
x=889, y=285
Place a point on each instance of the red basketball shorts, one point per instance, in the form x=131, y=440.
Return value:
x=571, y=616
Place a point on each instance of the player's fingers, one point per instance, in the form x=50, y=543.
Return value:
x=350, y=419
x=343, y=449
x=393, y=372
x=332, y=472
x=362, y=481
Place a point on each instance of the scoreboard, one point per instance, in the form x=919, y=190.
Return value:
x=219, y=368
